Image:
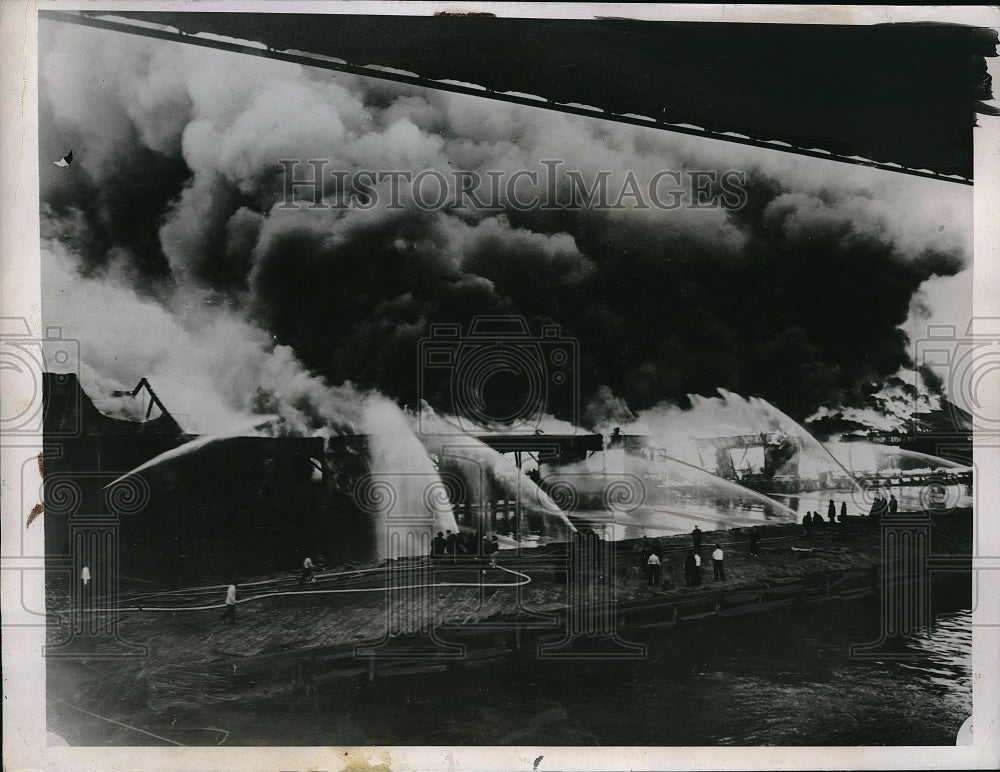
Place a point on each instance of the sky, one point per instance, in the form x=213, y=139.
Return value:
x=167, y=254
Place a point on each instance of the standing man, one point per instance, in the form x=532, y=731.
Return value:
x=876, y=510
x=230, y=612
x=307, y=571
x=696, y=539
x=644, y=555
x=879, y=508
x=85, y=578
x=831, y=512
x=689, y=569
x=718, y=567
x=807, y=522
x=438, y=545
x=893, y=505
x=451, y=544
x=843, y=511
x=653, y=566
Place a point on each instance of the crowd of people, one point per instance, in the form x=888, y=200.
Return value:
x=880, y=506
x=654, y=564
x=453, y=546
x=815, y=519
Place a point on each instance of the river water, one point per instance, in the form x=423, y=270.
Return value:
x=785, y=677
x=782, y=678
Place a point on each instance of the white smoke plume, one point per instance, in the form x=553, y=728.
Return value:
x=211, y=369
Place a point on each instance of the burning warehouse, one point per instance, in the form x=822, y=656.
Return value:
x=181, y=504
x=266, y=495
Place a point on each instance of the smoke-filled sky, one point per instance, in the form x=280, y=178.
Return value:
x=164, y=250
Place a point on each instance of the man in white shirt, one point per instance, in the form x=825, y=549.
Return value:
x=718, y=566
x=653, y=569
x=230, y=612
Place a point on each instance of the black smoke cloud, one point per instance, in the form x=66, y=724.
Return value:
x=797, y=297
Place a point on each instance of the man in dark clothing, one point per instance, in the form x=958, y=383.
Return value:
x=696, y=538
x=807, y=522
x=438, y=545
x=451, y=544
x=843, y=511
x=879, y=508
x=690, y=569
x=893, y=505
x=831, y=512
x=876, y=509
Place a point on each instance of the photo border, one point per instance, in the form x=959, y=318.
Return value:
x=25, y=740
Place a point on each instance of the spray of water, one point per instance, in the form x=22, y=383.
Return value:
x=871, y=457
x=415, y=503
x=800, y=431
x=499, y=470
x=197, y=444
x=678, y=432
x=729, y=488
x=673, y=477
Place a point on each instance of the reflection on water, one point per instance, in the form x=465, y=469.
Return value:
x=826, y=697
x=946, y=667
x=666, y=515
